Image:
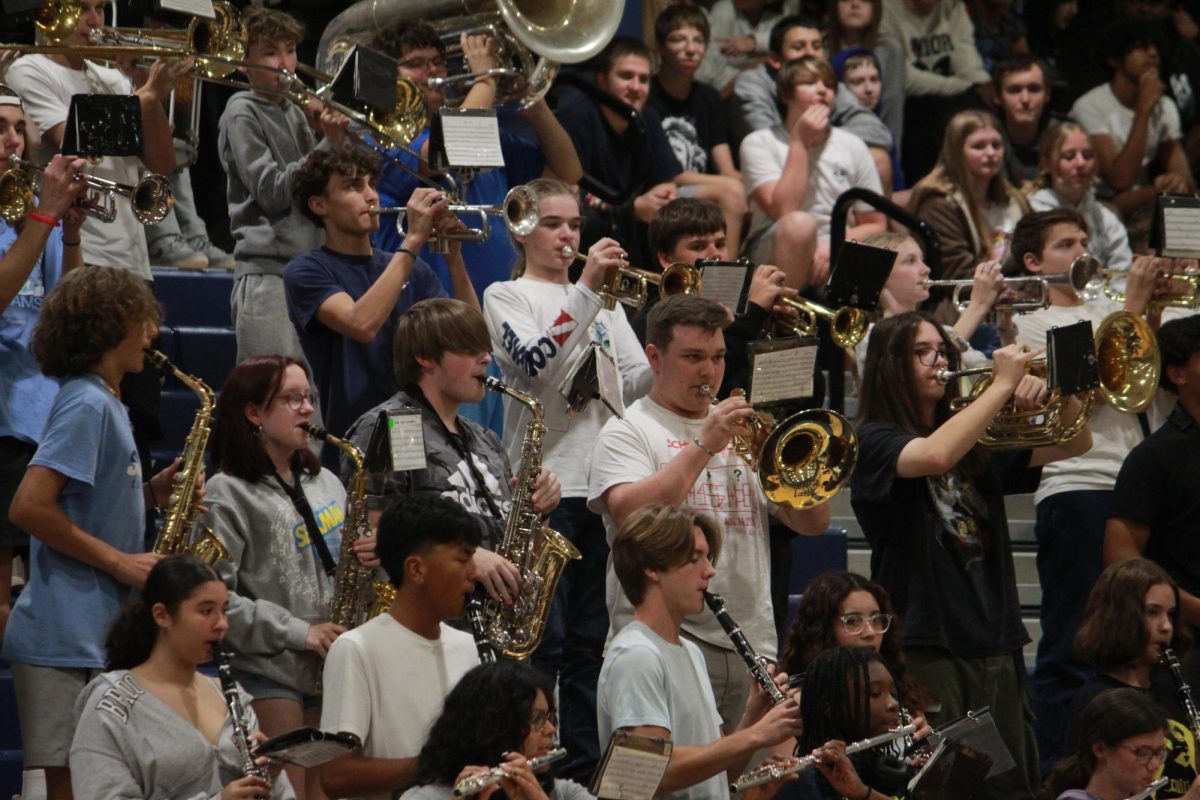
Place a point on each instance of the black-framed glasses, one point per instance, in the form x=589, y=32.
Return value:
x=1146, y=755
x=296, y=401
x=423, y=64
x=539, y=719
x=855, y=624
x=929, y=356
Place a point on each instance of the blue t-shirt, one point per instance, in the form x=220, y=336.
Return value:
x=488, y=261
x=62, y=616
x=351, y=376
x=25, y=393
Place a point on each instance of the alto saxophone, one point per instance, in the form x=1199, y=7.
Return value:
x=175, y=535
x=352, y=584
x=238, y=717
x=539, y=553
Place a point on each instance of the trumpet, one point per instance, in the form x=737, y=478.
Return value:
x=765, y=773
x=477, y=783
x=519, y=211
x=847, y=325
x=631, y=286
x=151, y=198
x=1079, y=277
x=1188, y=295
x=801, y=461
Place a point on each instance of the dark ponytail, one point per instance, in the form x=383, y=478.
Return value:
x=132, y=634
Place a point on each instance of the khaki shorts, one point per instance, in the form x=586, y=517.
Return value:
x=46, y=699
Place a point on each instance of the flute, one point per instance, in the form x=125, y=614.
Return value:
x=1151, y=789
x=477, y=783
x=770, y=771
x=754, y=662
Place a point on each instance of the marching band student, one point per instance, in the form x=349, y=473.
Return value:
x=931, y=505
x=268, y=493
x=83, y=502
x=1131, y=614
x=344, y=298
x=1119, y=751
x=654, y=680
x=34, y=255
x=540, y=325
x=674, y=446
x=152, y=726
x=442, y=351
x=386, y=679
x=498, y=714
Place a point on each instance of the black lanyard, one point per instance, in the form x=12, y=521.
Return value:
x=300, y=502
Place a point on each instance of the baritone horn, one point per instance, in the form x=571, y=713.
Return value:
x=1033, y=291
x=150, y=198
x=801, y=461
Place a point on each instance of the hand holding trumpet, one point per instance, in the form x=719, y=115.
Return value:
x=422, y=213
x=62, y=185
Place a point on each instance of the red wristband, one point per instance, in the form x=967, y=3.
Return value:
x=42, y=218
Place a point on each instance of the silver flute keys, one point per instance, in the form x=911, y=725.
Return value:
x=238, y=717
x=1151, y=789
x=477, y=783
x=770, y=771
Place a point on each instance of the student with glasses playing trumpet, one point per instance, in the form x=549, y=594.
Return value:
x=931, y=503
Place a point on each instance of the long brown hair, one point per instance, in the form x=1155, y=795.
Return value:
x=1113, y=631
x=836, y=37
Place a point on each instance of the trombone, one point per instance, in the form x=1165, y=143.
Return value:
x=847, y=325
x=151, y=198
x=802, y=460
x=631, y=286
x=519, y=210
x=1082, y=272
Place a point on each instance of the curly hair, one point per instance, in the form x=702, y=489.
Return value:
x=485, y=716
x=268, y=26
x=814, y=630
x=89, y=312
x=312, y=179
x=403, y=36
x=1113, y=632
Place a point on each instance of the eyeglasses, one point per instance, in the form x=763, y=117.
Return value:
x=855, y=624
x=296, y=401
x=929, y=356
x=423, y=64
x=1145, y=755
x=539, y=719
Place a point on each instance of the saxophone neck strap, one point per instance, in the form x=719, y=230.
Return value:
x=296, y=494
x=461, y=442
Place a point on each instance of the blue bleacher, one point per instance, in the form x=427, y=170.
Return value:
x=812, y=555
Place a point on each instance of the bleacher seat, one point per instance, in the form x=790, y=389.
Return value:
x=812, y=555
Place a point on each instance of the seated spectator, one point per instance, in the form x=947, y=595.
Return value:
x=1132, y=125
x=756, y=97
x=693, y=115
x=1067, y=165
x=796, y=171
x=999, y=30
x=611, y=154
x=857, y=68
x=1022, y=94
x=966, y=198
x=741, y=31
x=944, y=73
x=855, y=23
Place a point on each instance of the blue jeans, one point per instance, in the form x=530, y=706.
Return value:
x=572, y=648
x=1070, y=557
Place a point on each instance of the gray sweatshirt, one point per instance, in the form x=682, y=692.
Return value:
x=129, y=744
x=262, y=145
x=278, y=588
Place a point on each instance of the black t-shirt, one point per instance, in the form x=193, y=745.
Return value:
x=1179, y=740
x=1159, y=486
x=694, y=126
x=940, y=545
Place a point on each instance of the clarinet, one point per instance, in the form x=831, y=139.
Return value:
x=1171, y=662
x=754, y=662
x=477, y=783
x=477, y=618
x=1150, y=789
x=238, y=717
x=770, y=771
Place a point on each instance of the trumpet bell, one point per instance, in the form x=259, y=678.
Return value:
x=152, y=199
x=521, y=211
x=1128, y=361
x=808, y=458
x=16, y=195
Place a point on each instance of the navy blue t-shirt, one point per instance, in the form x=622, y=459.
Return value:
x=350, y=376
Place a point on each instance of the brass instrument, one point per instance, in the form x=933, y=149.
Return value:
x=772, y=771
x=1079, y=277
x=537, y=551
x=175, y=535
x=519, y=211
x=238, y=717
x=631, y=286
x=477, y=783
x=151, y=198
x=801, y=461
x=1188, y=296
x=756, y=664
x=847, y=325
x=353, y=586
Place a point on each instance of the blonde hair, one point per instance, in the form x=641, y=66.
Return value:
x=541, y=187
x=1050, y=150
x=658, y=537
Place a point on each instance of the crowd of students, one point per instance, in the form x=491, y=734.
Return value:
x=753, y=119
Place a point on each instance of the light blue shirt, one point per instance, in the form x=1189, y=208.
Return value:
x=62, y=616
x=25, y=393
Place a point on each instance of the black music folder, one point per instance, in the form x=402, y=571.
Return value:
x=859, y=275
x=1071, y=358
x=103, y=125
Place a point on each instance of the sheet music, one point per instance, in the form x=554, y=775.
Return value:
x=724, y=285
x=609, y=380
x=196, y=8
x=406, y=440
x=472, y=140
x=1181, y=231
x=782, y=374
x=631, y=774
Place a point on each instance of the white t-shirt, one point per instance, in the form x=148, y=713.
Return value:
x=46, y=89
x=538, y=329
x=1113, y=434
x=386, y=684
x=642, y=444
x=842, y=162
x=1100, y=112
